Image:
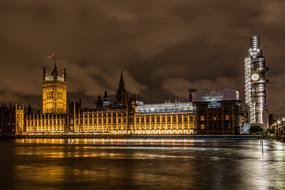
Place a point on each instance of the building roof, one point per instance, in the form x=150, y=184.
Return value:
x=224, y=94
x=175, y=107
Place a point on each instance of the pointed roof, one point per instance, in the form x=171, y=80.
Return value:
x=105, y=94
x=122, y=82
x=54, y=71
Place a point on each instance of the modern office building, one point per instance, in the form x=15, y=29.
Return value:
x=217, y=111
x=255, y=84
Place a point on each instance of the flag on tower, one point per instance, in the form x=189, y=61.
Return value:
x=51, y=56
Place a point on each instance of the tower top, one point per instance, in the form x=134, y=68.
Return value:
x=122, y=95
x=105, y=94
x=54, y=76
x=54, y=71
x=122, y=82
x=255, y=49
x=52, y=57
x=255, y=42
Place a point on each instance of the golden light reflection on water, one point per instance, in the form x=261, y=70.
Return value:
x=43, y=153
x=164, y=163
x=103, y=141
x=40, y=174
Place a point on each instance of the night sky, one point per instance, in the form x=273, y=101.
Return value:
x=164, y=46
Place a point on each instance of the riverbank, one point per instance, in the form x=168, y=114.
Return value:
x=220, y=137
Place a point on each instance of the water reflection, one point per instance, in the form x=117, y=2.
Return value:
x=145, y=164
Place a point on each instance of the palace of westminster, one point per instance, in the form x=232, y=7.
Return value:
x=126, y=115
x=206, y=112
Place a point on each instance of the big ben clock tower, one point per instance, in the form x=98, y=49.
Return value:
x=255, y=83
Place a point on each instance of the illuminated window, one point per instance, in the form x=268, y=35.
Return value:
x=202, y=118
x=185, y=119
x=157, y=119
x=180, y=118
x=227, y=117
x=147, y=119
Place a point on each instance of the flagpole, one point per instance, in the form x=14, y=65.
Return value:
x=54, y=58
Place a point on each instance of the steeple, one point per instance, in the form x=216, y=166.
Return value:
x=99, y=102
x=105, y=94
x=122, y=95
x=106, y=99
x=54, y=71
x=122, y=83
x=44, y=73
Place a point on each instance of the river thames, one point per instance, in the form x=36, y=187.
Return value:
x=141, y=164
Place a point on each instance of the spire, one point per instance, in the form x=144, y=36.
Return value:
x=99, y=98
x=44, y=73
x=122, y=95
x=105, y=94
x=99, y=102
x=122, y=83
x=54, y=71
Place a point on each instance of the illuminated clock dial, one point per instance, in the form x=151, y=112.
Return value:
x=255, y=77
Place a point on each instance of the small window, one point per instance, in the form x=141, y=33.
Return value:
x=227, y=117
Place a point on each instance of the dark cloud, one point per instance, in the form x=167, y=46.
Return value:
x=164, y=46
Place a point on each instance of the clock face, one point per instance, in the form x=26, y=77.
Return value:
x=255, y=77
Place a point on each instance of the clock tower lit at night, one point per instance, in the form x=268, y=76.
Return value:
x=255, y=84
